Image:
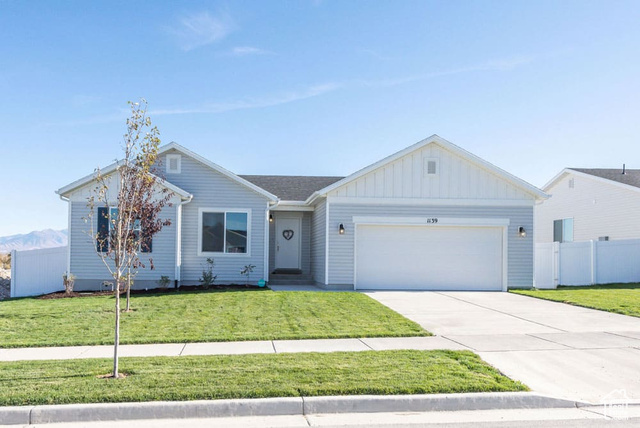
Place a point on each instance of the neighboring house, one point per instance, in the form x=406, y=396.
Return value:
x=590, y=204
x=432, y=216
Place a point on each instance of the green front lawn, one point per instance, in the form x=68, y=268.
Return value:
x=250, y=376
x=200, y=317
x=619, y=298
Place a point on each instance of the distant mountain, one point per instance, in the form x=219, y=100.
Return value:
x=47, y=238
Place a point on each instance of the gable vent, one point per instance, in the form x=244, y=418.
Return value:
x=173, y=164
x=431, y=167
x=572, y=183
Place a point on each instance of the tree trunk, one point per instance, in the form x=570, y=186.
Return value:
x=117, y=330
x=128, y=308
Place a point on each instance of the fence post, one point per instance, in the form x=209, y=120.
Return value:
x=555, y=262
x=12, y=286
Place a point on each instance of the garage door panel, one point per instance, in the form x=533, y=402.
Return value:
x=438, y=258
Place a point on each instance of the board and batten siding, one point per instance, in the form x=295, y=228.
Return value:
x=211, y=189
x=88, y=267
x=318, y=241
x=456, y=178
x=598, y=209
x=341, y=247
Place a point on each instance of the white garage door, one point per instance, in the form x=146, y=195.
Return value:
x=428, y=258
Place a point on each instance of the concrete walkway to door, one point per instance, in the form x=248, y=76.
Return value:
x=554, y=348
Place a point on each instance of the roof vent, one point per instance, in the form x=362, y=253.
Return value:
x=624, y=169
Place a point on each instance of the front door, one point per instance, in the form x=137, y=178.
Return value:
x=288, y=242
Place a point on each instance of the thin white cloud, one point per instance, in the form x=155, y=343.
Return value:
x=247, y=50
x=500, y=65
x=201, y=29
x=375, y=54
x=506, y=64
x=251, y=103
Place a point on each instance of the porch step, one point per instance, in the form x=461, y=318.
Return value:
x=291, y=279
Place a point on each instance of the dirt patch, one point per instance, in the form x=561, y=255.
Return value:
x=111, y=376
x=182, y=289
x=63, y=295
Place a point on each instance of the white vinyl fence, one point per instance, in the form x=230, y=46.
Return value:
x=587, y=262
x=37, y=272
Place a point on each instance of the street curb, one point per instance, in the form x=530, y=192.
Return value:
x=278, y=407
x=433, y=402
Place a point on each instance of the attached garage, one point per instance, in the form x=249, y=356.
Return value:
x=430, y=217
x=430, y=257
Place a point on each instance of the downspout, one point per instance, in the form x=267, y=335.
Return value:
x=177, y=272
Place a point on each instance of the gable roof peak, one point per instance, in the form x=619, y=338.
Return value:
x=206, y=162
x=630, y=177
x=436, y=139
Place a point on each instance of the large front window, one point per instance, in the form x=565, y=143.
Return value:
x=224, y=231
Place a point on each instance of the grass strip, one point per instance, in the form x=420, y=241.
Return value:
x=200, y=317
x=617, y=298
x=250, y=376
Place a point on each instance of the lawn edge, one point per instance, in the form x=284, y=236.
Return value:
x=572, y=303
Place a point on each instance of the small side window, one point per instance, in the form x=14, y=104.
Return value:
x=563, y=230
x=174, y=164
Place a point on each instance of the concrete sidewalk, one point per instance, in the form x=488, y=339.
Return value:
x=229, y=348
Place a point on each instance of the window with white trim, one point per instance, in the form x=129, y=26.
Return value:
x=563, y=230
x=107, y=222
x=224, y=231
x=431, y=166
x=174, y=164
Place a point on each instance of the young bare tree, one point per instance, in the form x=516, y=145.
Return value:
x=125, y=223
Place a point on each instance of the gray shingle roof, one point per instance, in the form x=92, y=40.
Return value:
x=630, y=177
x=291, y=187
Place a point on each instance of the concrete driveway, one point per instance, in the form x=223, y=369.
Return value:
x=556, y=349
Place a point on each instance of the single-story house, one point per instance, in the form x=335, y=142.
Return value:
x=431, y=216
x=590, y=204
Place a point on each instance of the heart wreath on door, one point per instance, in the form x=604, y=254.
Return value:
x=288, y=234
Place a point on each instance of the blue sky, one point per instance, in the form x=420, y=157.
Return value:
x=312, y=87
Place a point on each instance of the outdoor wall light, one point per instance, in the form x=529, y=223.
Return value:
x=270, y=218
x=341, y=229
x=522, y=232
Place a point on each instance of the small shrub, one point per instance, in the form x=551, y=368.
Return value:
x=68, y=279
x=208, y=278
x=246, y=271
x=163, y=282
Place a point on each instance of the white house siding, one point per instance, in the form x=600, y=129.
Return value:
x=598, y=208
x=88, y=267
x=318, y=242
x=457, y=178
x=305, y=242
x=214, y=190
x=341, y=247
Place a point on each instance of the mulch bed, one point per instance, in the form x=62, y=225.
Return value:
x=183, y=288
